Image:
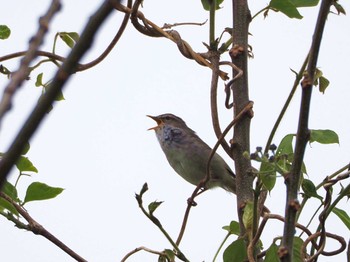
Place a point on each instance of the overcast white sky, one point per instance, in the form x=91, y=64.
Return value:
x=95, y=144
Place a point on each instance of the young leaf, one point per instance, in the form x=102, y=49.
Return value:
x=271, y=254
x=24, y=164
x=233, y=228
x=70, y=38
x=248, y=215
x=207, y=3
x=10, y=190
x=5, y=32
x=324, y=136
x=297, y=244
x=4, y=204
x=40, y=191
x=268, y=175
x=304, y=3
x=25, y=149
x=344, y=217
x=153, y=206
x=236, y=251
x=310, y=189
x=286, y=146
x=340, y=9
x=39, y=80
x=286, y=7
x=324, y=83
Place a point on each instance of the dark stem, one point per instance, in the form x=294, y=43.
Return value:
x=40, y=111
x=292, y=179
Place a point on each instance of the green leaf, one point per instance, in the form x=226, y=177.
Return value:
x=4, y=204
x=70, y=38
x=344, y=217
x=268, y=175
x=297, y=244
x=324, y=136
x=59, y=97
x=5, y=32
x=39, y=80
x=153, y=206
x=236, y=251
x=304, y=3
x=248, y=215
x=233, y=228
x=170, y=254
x=24, y=164
x=10, y=190
x=207, y=3
x=5, y=71
x=26, y=148
x=286, y=146
x=271, y=254
x=310, y=189
x=286, y=7
x=323, y=84
x=340, y=9
x=40, y=191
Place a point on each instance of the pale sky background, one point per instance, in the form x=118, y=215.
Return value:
x=95, y=144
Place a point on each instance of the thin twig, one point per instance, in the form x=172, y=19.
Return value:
x=132, y=252
x=40, y=111
x=23, y=72
x=151, y=29
x=38, y=229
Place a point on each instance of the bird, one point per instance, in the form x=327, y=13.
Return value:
x=188, y=154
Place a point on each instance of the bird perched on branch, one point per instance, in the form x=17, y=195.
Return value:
x=188, y=154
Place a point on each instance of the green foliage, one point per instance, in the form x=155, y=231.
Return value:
x=339, y=8
x=207, y=4
x=324, y=136
x=24, y=164
x=153, y=206
x=4, y=70
x=5, y=32
x=297, y=244
x=236, y=251
x=40, y=191
x=271, y=254
x=344, y=217
x=310, y=189
x=70, y=38
x=248, y=215
x=46, y=86
x=5, y=205
x=233, y=228
x=290, y=7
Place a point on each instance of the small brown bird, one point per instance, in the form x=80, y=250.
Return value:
x=188, y=154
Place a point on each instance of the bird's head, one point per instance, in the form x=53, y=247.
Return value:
x=169, y=120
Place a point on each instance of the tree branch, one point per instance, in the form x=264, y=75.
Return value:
x=23, y=72
x=241, y=137
x=38, y=229
x=292, y=179
x=61, y=77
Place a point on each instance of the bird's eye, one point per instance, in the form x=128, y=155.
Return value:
x=167, y=118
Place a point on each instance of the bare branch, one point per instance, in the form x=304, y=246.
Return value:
x=23, y=72
x=61, y=77
x=292, y=179
x=38, y=229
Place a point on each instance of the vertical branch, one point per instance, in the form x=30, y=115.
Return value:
x=241, y=137
x=292, y=179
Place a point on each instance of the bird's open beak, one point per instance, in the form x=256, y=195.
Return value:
x=159, y=122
